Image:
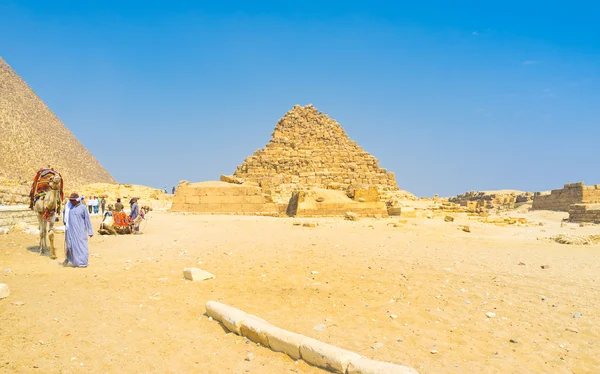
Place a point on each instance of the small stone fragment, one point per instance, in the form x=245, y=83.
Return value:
x=393, y=316
x=433, y=352
x=449, y=219
x=377, y=346
x=310, y=224
x=4, y=291
x=18, y=303
x=490, y=314
x=320, y=199
x=545, y=266
x=351, y=216
x=521, y=263
x=577, y=315
x=314, y=272
x=466, y=229
x=572, y=329
x=514, y=340
x=319, y=327
x=543, y=298
x=250, y=357
x=195, y=274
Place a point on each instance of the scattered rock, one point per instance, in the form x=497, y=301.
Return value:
x=361, y=200
x=310, y=224
x=320, y=199
x=393, y=316
x=514, y=340
x=351, y=216
x=545, y=266
x=296, y=223
x=4, y=230
x=314, y=272
x=449, y=219
x=18, y=303
x=572, y=329
x=377, y=346
x=4, y=291
x=466, y=229
x=195, y=274
x=543, y=298
x=433, y=352
x=250, y=357
x=490, y=314
x=577, y=315
x=319, y=327
x=521, y=263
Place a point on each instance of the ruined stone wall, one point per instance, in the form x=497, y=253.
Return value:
x=14, y=194
x=12, y=215
x=562, y=199
x=584, y=213
x=222, y=198
x=309, y=149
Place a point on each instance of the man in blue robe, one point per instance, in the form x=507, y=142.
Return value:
x=77, y=229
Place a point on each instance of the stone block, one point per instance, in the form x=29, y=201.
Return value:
x=230, y=317
x=4, y=290
x=285, y=341
x=326, y=356
x=449, y=219
x=257, y=330
x=364, y=365
x=196, y=274
x=351, y=216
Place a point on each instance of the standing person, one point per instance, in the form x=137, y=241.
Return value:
x=118, y=206
x=90, y=204
x=78, y=227
x=95, y=201
x=173, y=190
x=135, y=212
x=103, y=205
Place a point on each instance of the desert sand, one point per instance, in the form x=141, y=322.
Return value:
x=395, y=294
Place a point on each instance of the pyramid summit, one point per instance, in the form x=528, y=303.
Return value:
x=33, y=137
x=310, y=149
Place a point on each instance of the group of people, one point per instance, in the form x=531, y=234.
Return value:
x=95, y=204
x=78, y=226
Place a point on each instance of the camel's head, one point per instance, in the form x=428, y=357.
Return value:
x=55, y=182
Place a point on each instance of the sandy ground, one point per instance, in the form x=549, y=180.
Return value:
x=131, y=311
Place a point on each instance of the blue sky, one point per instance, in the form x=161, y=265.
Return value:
x=450, y=95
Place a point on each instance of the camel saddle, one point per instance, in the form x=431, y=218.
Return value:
x=41, y=185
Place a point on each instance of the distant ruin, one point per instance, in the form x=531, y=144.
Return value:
x=561, y=199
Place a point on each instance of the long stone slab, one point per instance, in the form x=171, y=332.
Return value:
x=298, y=346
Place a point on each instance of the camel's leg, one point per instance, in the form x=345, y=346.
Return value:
x=42, y=227
x=51, y=237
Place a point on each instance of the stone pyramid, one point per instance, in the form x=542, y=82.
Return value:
x=33, y=137
x=310, y=149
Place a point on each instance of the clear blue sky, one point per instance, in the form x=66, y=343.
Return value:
x=450, y=95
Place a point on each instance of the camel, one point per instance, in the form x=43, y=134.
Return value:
x=46, y=208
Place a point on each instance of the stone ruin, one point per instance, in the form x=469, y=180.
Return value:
x=560, y=200
x=478, y=201
x=309, y=168
x=309, y=149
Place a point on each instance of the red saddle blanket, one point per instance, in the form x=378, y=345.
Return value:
x=121, y=219
x=41, y=184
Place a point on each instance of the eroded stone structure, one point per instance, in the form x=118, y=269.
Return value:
x=562, y=199
x=310, y=149
x=222, y=198
x=502, y=199
x=309, y=168
x=584, y=213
